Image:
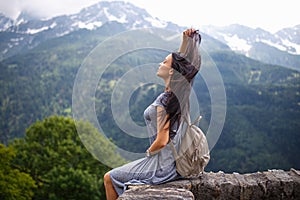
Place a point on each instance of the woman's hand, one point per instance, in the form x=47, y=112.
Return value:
x=189, y=32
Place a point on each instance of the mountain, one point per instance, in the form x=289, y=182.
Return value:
x=280, y=48
x=26, y=32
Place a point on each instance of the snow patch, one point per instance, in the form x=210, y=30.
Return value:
x=156, y=23
x=73, y=17
x=111, y=17
x=236, y=43
x=278, y=46
x=133, y=12
x=293, y=45
x=284, y=46
x=20, y=21
x=34, y=31
x=53, y=25
x=6, y=26
x=89, y=26
x=63, y=33
x=17, y=39
x=136, y=23
x=4, y=51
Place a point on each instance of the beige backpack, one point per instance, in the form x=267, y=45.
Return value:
x=193, y=154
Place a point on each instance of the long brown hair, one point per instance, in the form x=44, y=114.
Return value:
x=180, y=84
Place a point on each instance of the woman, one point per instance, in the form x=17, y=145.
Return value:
x=164, y=121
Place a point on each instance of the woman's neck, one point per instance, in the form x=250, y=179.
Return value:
x=167, y=85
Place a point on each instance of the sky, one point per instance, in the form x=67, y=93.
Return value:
x=270, y=15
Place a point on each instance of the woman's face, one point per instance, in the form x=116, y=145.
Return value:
x=165, y=70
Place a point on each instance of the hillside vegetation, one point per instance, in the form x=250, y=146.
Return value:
x=262, y=118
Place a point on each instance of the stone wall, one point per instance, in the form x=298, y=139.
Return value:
x=271, y=184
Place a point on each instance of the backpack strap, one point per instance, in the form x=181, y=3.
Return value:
x=197, y=120
x=175, y=154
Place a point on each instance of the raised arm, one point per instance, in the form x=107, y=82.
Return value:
x=185, y=38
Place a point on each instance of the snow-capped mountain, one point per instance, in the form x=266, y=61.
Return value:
x=281, y=48
x=26, y=32
x=290, y=38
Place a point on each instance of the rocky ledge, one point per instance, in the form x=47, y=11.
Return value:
x=271, y=184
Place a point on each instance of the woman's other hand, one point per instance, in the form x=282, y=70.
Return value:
x=189, y=32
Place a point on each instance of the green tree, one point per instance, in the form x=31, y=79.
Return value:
x=14, y=185
x=53, y=154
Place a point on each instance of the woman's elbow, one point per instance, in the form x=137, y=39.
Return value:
x=162, y=144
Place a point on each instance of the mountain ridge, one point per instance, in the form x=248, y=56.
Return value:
x=281, y=48
x=26, y=32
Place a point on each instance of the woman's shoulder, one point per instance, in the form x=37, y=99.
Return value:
x=161, y=99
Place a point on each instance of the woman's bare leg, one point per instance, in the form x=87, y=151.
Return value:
x=111, y=193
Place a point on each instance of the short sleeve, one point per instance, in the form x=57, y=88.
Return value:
x=160, y=100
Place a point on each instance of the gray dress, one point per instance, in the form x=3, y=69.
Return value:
x=157, y=169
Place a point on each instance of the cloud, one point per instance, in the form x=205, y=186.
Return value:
x=267, y=14
x=9, y=8
x=43, y=9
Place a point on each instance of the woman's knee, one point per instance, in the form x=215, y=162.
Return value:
x=107, y=178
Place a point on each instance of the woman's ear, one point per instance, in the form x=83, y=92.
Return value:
x=171, y=71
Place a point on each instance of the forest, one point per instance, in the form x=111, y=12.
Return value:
x=51, y=162
x=42, y=156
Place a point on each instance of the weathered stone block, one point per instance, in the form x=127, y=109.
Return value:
x=271, y=184
x=157, y=192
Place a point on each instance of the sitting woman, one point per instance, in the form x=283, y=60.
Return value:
x=163, y=119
